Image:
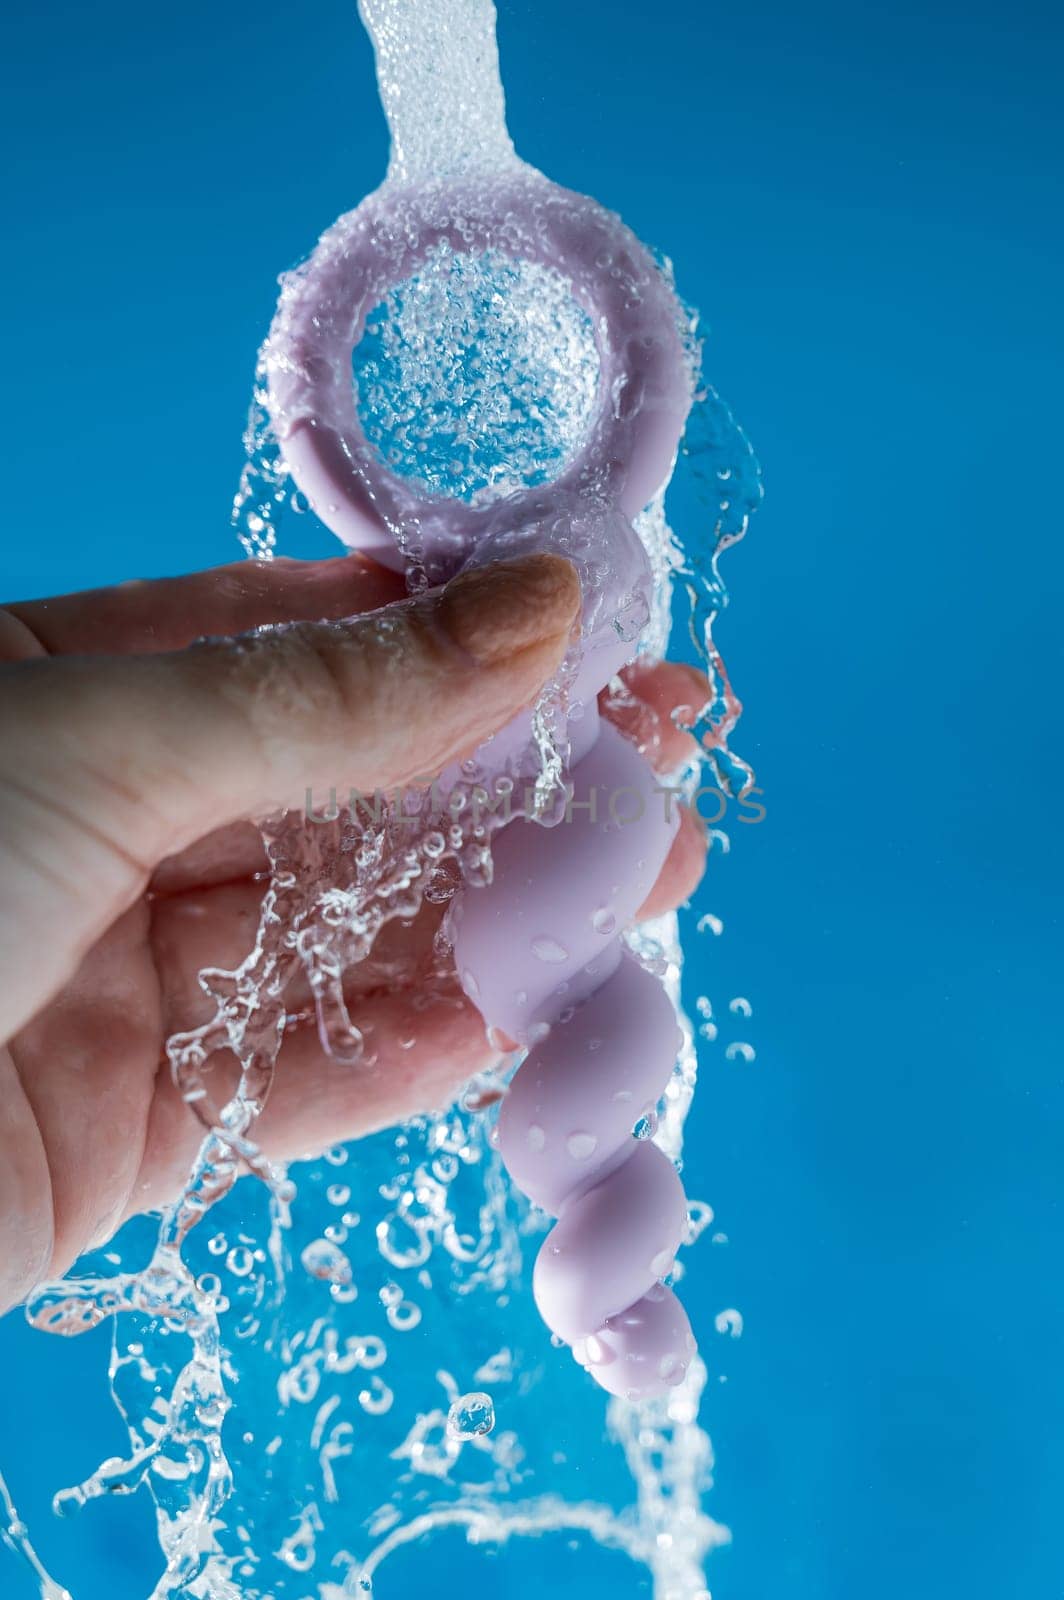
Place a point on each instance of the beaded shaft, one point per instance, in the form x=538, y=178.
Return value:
x=540, y=950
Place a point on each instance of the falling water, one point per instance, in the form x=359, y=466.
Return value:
x=320, y=1368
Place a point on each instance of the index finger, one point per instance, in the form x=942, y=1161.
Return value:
x=148, y=616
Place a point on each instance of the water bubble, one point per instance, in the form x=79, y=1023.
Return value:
x=218, y=1244
x=738, y=1051
x=338, y=1194
x=546, y=949
x=471, y=1416
x=741, y=1006
x=710, y=923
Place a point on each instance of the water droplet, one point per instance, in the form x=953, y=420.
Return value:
x=547, y=949
x=376, y=1398
x=604, y=921
x=699, y=1217
x=240, y=1260
x=535, y=1136
x=323, y=1260
x=668, y=1365
x=661, y=1264
x=599, y=1354
x=581, y=1146
x=647, y=1126
x=404, y=1316
x=471, y=1416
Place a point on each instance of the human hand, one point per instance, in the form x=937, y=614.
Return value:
x=132, y=757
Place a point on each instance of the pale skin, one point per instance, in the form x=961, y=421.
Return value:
x=132, y=758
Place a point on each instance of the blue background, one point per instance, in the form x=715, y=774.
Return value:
x=865, y=201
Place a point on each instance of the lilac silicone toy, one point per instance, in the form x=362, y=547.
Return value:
x=540, y=949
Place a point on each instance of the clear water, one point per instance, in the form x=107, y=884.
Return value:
x=322, y=1368
x=478, y=377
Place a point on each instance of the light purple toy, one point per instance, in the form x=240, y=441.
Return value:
x=540, y=949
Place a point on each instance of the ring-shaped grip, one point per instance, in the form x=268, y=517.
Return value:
x=644, y=387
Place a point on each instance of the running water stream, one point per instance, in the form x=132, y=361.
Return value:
x=321, y=1366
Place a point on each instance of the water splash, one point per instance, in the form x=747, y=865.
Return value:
x=322, y=1345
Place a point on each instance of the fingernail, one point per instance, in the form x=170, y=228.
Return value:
x=495, y=612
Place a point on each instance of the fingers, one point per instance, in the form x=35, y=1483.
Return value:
x=109, y=764
x=225, y=855
x=655, y=696
x=683, y=869
x=84, y=1073
x=217, y=927
x=414, y=1061
x=146, y=617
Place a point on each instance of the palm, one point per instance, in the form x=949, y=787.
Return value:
x=87, y=1083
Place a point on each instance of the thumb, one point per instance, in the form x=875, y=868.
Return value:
x=109, y=763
